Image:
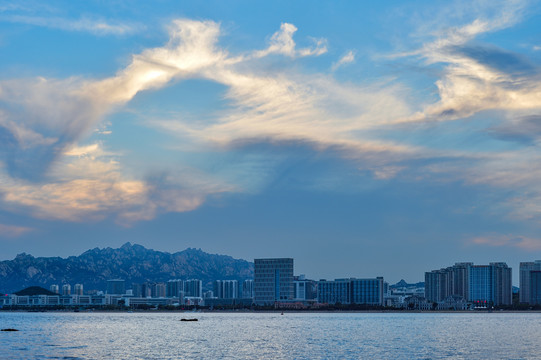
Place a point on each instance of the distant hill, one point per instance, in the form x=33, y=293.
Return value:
x=34, y=290
x=403, y=284
x=133, y=263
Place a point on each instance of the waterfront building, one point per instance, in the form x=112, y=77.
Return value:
x=273, y=280
x=248, y=289
x=351, y=291
x=78, y=289
x=524, y=280
x=154, y=301
x=304, y=289
x=535, y=287
x=334, y=292
x=194, y=288
x=116, y=287
x=157, y=290
x=174, y=287
x=54, y=288
x=66, y=289
x=218, y=289
x=367, y=291
x=140, y=290
x=454, y=280
x=491, y=284
x=226, y=289
x=481, y=284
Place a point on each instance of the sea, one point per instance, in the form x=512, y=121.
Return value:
x=255, y=335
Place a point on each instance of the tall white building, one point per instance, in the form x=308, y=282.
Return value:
x=248, y=289
x=78, y=289
x=226, y=289
x=66, y=289
x=54, y=288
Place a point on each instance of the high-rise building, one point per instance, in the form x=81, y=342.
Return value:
x=454, y=280
x=484, y=284
x=174, y=287
x=54, y=288
x=525, y=269
x=194, y=288
x=218, y=289
x=248, y=289
x=535, y=287
x=226, y=289
x=491, y=284
x=78, y=289
x=116, y=287
x=273, y=280
x=157, y=290
x=66, y=289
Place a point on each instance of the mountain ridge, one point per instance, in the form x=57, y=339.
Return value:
x=132, y=262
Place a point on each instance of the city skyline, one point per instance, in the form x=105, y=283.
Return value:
x=371, y=139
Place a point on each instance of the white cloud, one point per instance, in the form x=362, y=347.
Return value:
x=470, y=83
x=282, y=42
x=348, y=58
x=91, y=25
x=272, y=105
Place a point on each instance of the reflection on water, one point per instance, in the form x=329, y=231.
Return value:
x=271, y=336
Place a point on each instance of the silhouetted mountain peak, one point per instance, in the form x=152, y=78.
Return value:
x=132, y=262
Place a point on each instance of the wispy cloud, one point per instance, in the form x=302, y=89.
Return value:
x=45, y=170
x=88, y=184
x=348, y=58
x=92, y=25
x=282, y=43
x=479, y=77
x=276, y=107
x=12, y=231
x=508, y=240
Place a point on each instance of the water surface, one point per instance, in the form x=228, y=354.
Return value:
x=55, y=335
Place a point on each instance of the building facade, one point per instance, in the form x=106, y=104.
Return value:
x=226, y=289
x=194, y=288
x=351, y=291
x=174, y=288
x=524, y=281
x=273, y=280
x=78, y=289
x=451, y=281
x=480, y=284
x=66, y=289
x=248, y=289
x=535, y=288
x=116, y=287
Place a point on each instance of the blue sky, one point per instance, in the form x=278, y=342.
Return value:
x=361, y=138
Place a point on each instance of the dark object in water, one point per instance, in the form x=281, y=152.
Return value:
x=188, y=319
x=9, y=329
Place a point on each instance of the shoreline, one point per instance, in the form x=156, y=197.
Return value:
x=205, y=311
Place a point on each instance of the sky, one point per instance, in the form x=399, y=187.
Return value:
x=362, y=139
